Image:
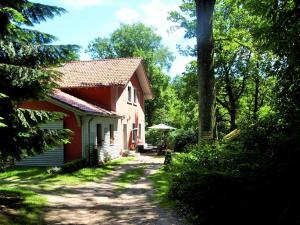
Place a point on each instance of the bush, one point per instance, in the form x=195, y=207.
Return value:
x=250, y=180
x=153, y=136
x=73, y=166
x=181, y=139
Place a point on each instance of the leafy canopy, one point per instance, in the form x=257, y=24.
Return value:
x=24, y=56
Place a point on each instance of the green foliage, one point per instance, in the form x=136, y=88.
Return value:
x=242, y=70
x=181, y=139
x=38, y=178
x=161, y=182
x=73, y=166
x=24, y=55
x=20, y=207
x=138, y=40
x=248, y=180
x=278, y=32
x=251, y=179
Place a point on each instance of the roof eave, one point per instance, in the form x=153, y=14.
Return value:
x=77, y=111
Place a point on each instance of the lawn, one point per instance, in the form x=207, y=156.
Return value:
x=37, y=178
x=20, y=207
x=20, y=202
x=161, y=182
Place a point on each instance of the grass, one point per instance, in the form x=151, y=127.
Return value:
x=161, y=182
x=130, y=176
x=20, y=207
x=19, y=204
x=37, y=178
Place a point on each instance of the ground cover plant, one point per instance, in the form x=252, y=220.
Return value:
x=20, y=207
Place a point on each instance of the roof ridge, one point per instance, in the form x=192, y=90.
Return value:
x=107, y=59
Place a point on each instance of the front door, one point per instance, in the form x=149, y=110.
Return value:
x=125, y=141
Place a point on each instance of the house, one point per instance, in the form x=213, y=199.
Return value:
x=103, y=101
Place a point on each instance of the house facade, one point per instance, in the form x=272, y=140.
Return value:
x=103, y=101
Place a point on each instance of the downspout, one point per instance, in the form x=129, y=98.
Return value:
x=89, y=139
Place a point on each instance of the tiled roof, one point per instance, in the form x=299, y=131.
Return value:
x=80, y=104
x=98, y=72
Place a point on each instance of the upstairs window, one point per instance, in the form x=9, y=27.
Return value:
x=129, y=94
x=134, y=96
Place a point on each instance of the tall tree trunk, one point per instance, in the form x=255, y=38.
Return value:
x=206, y=81
x=255, y=108
x=232, y=118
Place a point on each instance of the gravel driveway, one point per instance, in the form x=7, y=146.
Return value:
x=102, y=203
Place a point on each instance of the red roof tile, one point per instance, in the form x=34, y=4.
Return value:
x=80, y=104
x=98, y=72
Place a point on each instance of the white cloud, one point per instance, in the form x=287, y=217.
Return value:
x=84, y=3
x=155, y=13
x=127, y=15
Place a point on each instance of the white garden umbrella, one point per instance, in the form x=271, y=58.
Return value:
x=162, y=127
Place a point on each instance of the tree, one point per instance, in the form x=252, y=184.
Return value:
x=205, y=69
x=24, y=56
x=278, y=31
x=236, y=55
x=233, y=69
x=138, y=40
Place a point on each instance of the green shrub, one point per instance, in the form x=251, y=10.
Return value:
x=181, y=139
x=73, y=166
x=153, y=136
x=250, y=180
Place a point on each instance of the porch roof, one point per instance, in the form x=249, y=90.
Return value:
x=80, y=104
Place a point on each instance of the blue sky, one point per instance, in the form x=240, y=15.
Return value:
x=88, y=19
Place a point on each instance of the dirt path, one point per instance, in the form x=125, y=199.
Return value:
x=101, y=203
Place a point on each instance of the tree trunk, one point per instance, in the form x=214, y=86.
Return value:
x=206, y=81
x=232, y=118
x=255, y=109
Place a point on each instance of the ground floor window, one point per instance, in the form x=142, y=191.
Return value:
x=134, y=132
x=111, y=134
x=140, y=131
x=99, y=134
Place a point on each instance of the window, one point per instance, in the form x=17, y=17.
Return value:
x=133, y=132
x=129, y=94
x=99, y=135
x=134, y=96
x=111, y=134
x=140, y=131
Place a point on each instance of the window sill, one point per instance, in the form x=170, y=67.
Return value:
x=135, y=104
x=130, y=103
